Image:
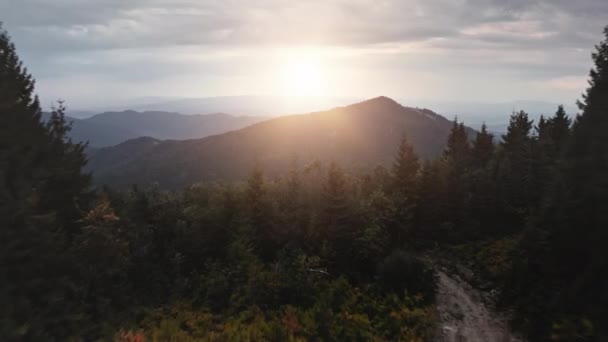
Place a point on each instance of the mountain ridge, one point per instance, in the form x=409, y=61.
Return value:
x=359, y=135
x=111, y=128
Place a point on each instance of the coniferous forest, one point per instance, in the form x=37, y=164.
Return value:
x=320, y=253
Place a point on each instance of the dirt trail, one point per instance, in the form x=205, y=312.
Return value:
x=464, y=317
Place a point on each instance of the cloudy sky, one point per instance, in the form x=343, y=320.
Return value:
x=91, y=52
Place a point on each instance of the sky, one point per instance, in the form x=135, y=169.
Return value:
x=94, y=52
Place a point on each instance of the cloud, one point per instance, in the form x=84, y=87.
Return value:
x=84, y=24
x=155, y=41
x=567, y=83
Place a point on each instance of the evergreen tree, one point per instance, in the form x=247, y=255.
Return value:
x=559, y=129
x=516, y=177
x=261, y=234
x=481, y=185
x=559, y=275
x=458, y=149
x=483, y=147
x=432, y=203
x=294, y=223
x=338, y=230
x=578, y=215
x=405, y=171
x=42, y=190
x=458, y=156
x=335, y=213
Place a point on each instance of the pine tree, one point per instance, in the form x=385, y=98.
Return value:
x=42, y=192
x=559, y=129
x=578, y=215
x=294, y=223
x=256, y=192
x=458, y=148
x=458, y=156
x=337, y=231
x=562, y=274
x=516, y=177
x=481, y=185
x=483, y=147
x=431, y=207
x=335, y=214
x=261, y=234
x=292, y=200
x=405, y=171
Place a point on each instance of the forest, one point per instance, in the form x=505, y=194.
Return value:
x=320, y=253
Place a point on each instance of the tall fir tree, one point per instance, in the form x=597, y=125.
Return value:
x=458, y=149
x=560, y=274
x=261, y=234
x=516, y=178
x=483, y=147
x=337, y=230
x=559, y=129
x=405, y=172
x=481, y=185
x=458, y=157
x=42, y=194
x=580, y=233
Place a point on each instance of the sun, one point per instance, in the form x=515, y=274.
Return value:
x=303, y=75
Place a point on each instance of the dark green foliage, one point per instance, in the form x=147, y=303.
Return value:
x=516, y=181
x=401, y=272
x=404, y=192
x=560, y=273
x=458, y=158
x=42, y=193
x=483, y=147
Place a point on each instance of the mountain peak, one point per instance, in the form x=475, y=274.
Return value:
x=378, y=103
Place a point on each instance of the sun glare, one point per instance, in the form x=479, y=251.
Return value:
x=303, y=76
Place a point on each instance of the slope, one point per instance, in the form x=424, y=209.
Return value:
x=358, y=136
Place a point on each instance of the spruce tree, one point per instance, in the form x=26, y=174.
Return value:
x=335, y=213
x=483, y=147
x=559, y=129
x=42, y=193
x=516, y=176
x=458, y=148
x=457, y=155
x=560, y=274
x=337, y=230
x=405, y=171
x=261, y=233
x=481, y=185
x=579, y=209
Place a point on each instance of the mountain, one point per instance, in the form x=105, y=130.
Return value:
x=358, y=136
x=97, y=134
x=257, y=105
x=111, y=128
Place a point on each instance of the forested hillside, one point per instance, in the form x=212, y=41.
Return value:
x=324, y=251
x=358, y=136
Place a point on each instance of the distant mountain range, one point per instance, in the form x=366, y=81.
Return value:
x=494, y=114
x=111, y=128
x=358, y=136
x=252, y=105
x=255, y=105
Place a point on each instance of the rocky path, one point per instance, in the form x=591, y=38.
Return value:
x=464, y=316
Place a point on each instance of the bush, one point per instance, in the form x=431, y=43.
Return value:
x=403, y=273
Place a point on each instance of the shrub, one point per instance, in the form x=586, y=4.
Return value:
x=403, y=273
